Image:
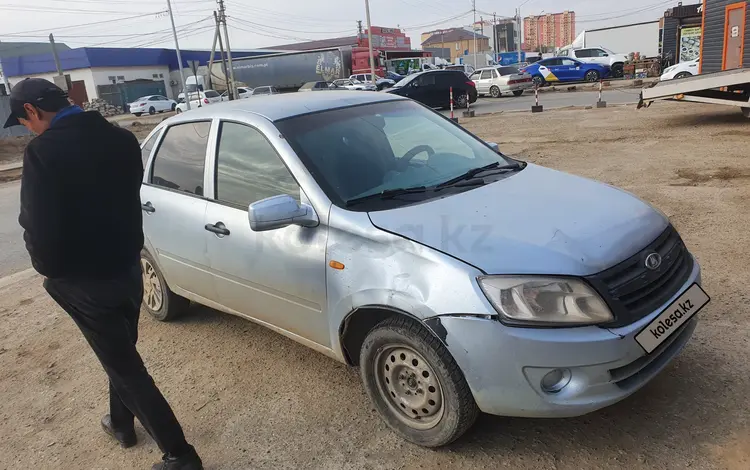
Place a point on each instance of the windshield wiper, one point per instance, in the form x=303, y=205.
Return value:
x=387, y=194
x=494, y=166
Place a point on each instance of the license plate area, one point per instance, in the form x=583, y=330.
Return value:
x=672, y=318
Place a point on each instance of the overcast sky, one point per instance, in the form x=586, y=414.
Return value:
x=257, y=24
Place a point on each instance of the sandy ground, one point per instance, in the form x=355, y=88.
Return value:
x=251, y=399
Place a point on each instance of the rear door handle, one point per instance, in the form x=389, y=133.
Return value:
x=148, y=207
x=218, y=228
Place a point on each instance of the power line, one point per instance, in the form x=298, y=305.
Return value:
x=251, y=23
x=59, y=28
x=438, y=22
x=63, y=10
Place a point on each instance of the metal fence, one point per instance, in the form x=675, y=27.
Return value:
x=121, y=94
x=4, y=113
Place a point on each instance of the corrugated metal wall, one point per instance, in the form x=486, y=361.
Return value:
x=713, y=35
x=4, y=113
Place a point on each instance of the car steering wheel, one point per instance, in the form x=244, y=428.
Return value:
x=404, y=161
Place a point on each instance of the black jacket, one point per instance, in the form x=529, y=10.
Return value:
x=80, y=201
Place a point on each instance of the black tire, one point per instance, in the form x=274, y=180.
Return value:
x=683, y=75
x=592, y=76
x=171, y=305
x=137, y=114
x=495, y=92
x=178, y=110
x=174, y=106
x=746, y=112
x=538, y=81
x=617, y=70
x=462, y=101
x=152, y=110
x=457, y=412
x=517, y=92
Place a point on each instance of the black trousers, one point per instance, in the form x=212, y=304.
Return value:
x=106, y=312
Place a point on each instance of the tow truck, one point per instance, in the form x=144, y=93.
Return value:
x=730, y=88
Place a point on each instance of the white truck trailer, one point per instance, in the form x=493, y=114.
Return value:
x=729, y=88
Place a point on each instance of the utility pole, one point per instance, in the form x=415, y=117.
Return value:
x=518, y=25
x=369, y=42
x=211, y=57
x=223, y=19
x=474, y=29
x=5, y=81
x=54, y=54
x=179, y=56
x=359, y=29
x=221, y=52
x=494, y=34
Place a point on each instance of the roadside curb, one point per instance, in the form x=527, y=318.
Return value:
x=9, y=173
x=17, y=277
x=562, y=108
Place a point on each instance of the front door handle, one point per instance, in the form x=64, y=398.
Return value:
x=148, y=207
x=218, y=228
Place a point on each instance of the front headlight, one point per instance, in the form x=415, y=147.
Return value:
x=545, y=301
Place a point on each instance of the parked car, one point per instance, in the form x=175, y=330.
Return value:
x=151, y=104
x=315, y=86
x=599, y=55
x=242, y=91
x=394, y=76
x=465, y=68
x=265, y=90
x=495, y=81
x=564, y=69
x=354, y=240
x=198, y=100
x=681, y=70
x=433, y=88
x=351, y=84
x=381, y=83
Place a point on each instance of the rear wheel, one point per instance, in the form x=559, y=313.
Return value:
x=462, y=101
x=495, y=92
x=137, y=114
x=683, y=75
x=517, y=92
x=415, y=384
x=178, y=110
x=592, y=76
x=617, y=70
x=538, y=81
x=158, y=300
x=746, y=112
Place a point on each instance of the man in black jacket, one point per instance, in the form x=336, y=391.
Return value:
x=81, y=212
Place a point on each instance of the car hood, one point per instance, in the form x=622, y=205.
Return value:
x=536, y=221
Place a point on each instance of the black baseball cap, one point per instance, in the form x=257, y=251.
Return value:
x=38, y=92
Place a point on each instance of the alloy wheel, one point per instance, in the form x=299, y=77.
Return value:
x=153, y=294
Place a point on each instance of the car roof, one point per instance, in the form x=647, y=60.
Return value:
x=286, y=105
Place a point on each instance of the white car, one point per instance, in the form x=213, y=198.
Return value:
x=498, y=80
x=198, y=100
x=265, y=90
x=380, y=83
x=599, y=55
x=681, y=70
x=243, y=92
x=351, y=84
x=151, y=104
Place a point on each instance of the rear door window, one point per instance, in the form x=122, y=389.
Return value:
x=427, y=79
x=583, y=53
x=211, y=94
x=486, y=74
x=180, y=161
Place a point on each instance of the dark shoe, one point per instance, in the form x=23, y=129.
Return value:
x=126, y=438
x=189, y=461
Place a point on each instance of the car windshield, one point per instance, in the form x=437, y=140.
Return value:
x=406, y=80
x=367, y=150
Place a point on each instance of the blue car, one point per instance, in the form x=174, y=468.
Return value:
x=564, y=69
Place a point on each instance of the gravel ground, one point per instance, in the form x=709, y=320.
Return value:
x=251, y=399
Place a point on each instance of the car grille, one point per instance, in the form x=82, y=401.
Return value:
x=633, y=291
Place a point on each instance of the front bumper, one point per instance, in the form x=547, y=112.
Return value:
x=504, y=366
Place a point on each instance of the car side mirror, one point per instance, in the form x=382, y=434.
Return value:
x=493, y=146
x=278, y=212
x=606, y=55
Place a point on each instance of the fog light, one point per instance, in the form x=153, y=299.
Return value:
x=556, y=380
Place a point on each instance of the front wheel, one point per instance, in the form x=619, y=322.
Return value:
x=495, y=92
x=517, y=92
x=178, y=111
x=152, y=110
x=617, y=70
x=746, y=112
x=415, y=384
x=174, y=106
x=683, y=75
x=592, y=76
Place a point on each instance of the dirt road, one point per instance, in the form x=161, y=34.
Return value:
x=251, y=399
